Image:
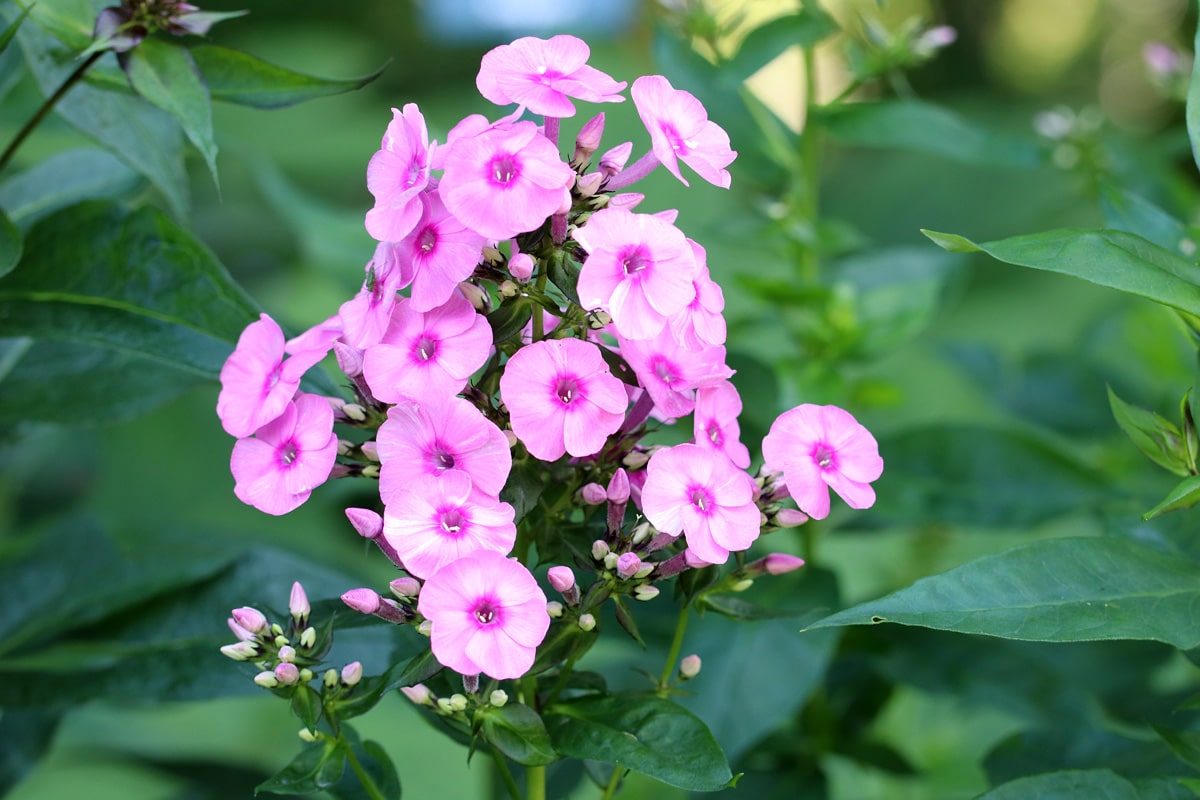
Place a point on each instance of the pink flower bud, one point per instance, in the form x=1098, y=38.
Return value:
x=520, y=266
x=241, y=633
x=250, y=618
x=478, y=297
x=628, y=564
x=368, y=524
x=287, y=673
x=405, y=587
x=242, y=651
x=599, y=549
x=789, y=518
x=689, y=667
x=588, y=185
x=349, y=359
x=352, y=673
x=267, y=679
x=614, y=160
x=298, y=603
x=370, y=450
x=561, y=578
x=618, y=487
x=419, y=694
x=592, y=494
x=366, y=601
x=287, y=653
x=780, y=563
x=588, y=140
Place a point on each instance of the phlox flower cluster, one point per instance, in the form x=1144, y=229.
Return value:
x=521, y=311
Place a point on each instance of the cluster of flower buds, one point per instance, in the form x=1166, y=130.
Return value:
x=284, y=654
x=547, y=324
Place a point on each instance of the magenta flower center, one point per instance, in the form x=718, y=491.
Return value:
x=451, y=520
x=566, y=389
x=273, y=378
x=288, y=452
x=485, y=612
x=822, y=456
x=678, y=143
x=714, y=433
x=415, y=168
x=636, y=261
x=701, y=499
x=426, y=347
x=427, y=239
x=665, y=371
x=442, y=458
x=503, y=169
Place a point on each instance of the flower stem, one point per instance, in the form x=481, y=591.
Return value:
x=506, y=775
x=676, y=646
x=51, y=101
x=610, y=791
x=368, y=784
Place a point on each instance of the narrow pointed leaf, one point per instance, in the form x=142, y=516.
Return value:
x=1056, y=590
x=68, y=21
x=1185, y=495
x=1126, y=211
x=1193, y=102
x=1158, y=439
x=64, y=179
x=236, y=77
x=10, y=244
x=164, y=74
x=6, y=36
x=767, y=42
x=1115, y=259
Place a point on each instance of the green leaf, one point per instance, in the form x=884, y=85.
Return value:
x=1184, y=744
x=1062, y=747
x=1092, y=784
x=518, y=732
x=1109, y=258
x=1158, y=439
x=1056, y=590
x=306, y=705
x=371, y=690
x=318, y=766
x=563, y=272
x=923, y=128
x=643, y=733
x=1193, y=102
x=625, y=619
x=10, y=244
x=68, y=21
x=27, y=735
x=378, y=766
x=1185, y=495
x=767, y=42
x=6, y=36
x=509, y=319
x=1126, y=211
x=64, y=179
x=524, y=486
x=164, y=74
x=236, y=77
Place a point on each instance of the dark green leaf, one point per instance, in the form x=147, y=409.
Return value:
x=64, y=179
x=1193, y=102
x=564, y=640
x=69, y=21
x=1056, y=590
x=518, y=732
x=306, y=705
x=1092, y=784
x=767, y=42
x=378, y=766
x=1184, y=744
x=371, y=690
x=1115, y=259
x=924, y=128
x=236, y=77
x=563, y=272
x=318, y=766
x=508, y=320
x=1185, y=495
x=1125, y=211
x=10, y=244
x=625, y=619
x=164, y=74
x=1158, y=439
x=1051, y=749
x=618, y=366
x=6, y=36
x=643, y=733
x=27, y=736
x=524, y=486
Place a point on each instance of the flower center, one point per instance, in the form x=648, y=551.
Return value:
x=635, y=262
x=442, y=460
x=566, y=390
x=452, y=520
x=415, y=168
x=714, y=433
x=485, y=612
x=427, y=239
x=288, y=453
x=426, y=348
x=665, y=371
x=701, y=499
x=503, y=169
x=822, y=456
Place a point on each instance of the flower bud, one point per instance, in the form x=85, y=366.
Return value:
x=287, y=653
x=599, y=549
x=458, y=702
x=789, y=518
x=330, y=678
x=426, y=627
x=298, y=603
x=354, y=412
x=287, y=673
x=613, y=161
x=405, y=588
x=370, y=450
x=306, y=674
x=241, y=633
x=352, y=673
x=308, y=637
x=345, y=447
x=588, y=140
x=349, y=359
x=366, y=601
x=689, y=667
x=267, y=680
x=588, y=185
x=646, y=592
x=418, y=694
x=742, y=585
x=520, y=266
x=242, y=651
x=592, y=494
x=366, y=522
x=508, y=289
x=306, y=735
x=934, y=39
x=554, y=609
x=250, y=618
x=640, y=533
x=635, y=459
x=618, y=487
x=586, y=622
x=610, y=560
x=498, y=698
x=561, y=578
x=479, y=298
x=646, y=569
x=370, y=471
x=511, y=438
x=443, y=705
x=780, y=563
x=628, y=564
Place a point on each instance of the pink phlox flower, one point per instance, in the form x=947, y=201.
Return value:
x=702, y=322
x=561, y=398
x=472, y=125
x=680, y=129
x=505, y=180
x=542, y=74
x=614, y=159
x=317, y=341
x=699, y=492
x=639, y=269
x=715, y=424
x=442, y=253
x=670, y=373
x=434, y=521
x=366, y=315
x=397, y=174
x=277, y=470
x=488, y=614
x=431, y=353
x=433, y=437
x=819, y=448
x=257, y=382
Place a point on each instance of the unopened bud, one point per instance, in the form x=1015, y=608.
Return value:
x=599, y=549
x=647, y=568
x=349, y=359
x=366, y=601
x=370, y=450
x=250, y=618
x=618, y=487
x=588, y=140
x=242, y=651
x=345, y=447
x=613, y=161
x=646, y=592
x=628, y=564
x=458, y=702
x=330, y=678
x=561, y=578
x=276, y=629
x=641, y=532
x=425, y=628
x=355, y=412
x=934, y=39
x=306, y=674
x=281, y=641
x=308, y=637
x=789, y=518
x=306, y=735
x=404, y=588
x=298, y=603
x=610, y=560
x=480, y=299
x=352, y=673
x=520, y=266
x=742, y=585
x=592, y=494
x=287, y=653
x=598, y=320
x=689, y=667
x=554, y=609
x=241, y=633
x=508, y=289
x=511, y=438
x=588, y=185
x=287, y=674
x=586, y=622
x=780, y=563
x=498, y=698
x=370, y=471
x=635, y=459
x=418, y=694
x=366, y=522
x=443, y=704
x=267, y=680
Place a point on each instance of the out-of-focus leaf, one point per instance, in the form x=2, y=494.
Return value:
x=318, y=766
x=924, y=128
x=1193, y=102
x=1185, y=495
x=768, y=41
x=1091, y=784
x=64, y=179
x=68, y=21
x=6, y=35
x=1184, y=744
x=378, y=766
x=1115, y=259
x=1051, y=749
x=26, y=736
x=524, y=487
x=1126, y=211
x=164, y=74
x=1157, y=438
x=236, y=77
x=981, y=476
x=518, y=732
x=10, y=244
x=643, y=733
x=1056, y=590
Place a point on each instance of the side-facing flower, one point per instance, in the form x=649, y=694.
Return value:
x=277, y=470
x=562, y=398
x=397, y=174
x=680, y=130
x=715, y=424
x=488, y=615
x=819, y=448
x=543, y=74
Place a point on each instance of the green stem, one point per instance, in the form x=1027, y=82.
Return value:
x=506, y=774
x=610, y=791
x=51, y=101
x=810, y=153
x=539, y=332
x=810, y=532
x=676, y=646
x=368, y=784
x=535, y=783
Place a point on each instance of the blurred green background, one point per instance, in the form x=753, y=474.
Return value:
x=1018, y=350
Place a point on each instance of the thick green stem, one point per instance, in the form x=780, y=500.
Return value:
x=810, y=156
x=368, y=784
x=51, y=101
x=676, y=646
x=506, y=774
x=610, y=791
